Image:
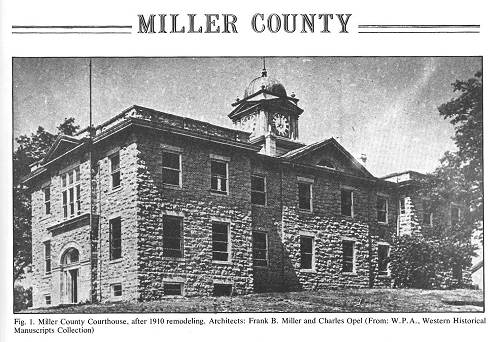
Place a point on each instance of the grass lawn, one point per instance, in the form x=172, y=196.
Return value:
x=342, y=300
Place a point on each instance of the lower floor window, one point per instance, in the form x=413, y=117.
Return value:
x=347, y=256
x=172, y=289
x=116, y=290
x=48, y=300
x=223, y=289
x=383, y=259
x=306, y=252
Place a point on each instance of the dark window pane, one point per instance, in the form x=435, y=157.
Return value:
x=347, y=256
x=220, y=256
x=304, y=196
x=258, y=183
x=223, y=290
x=306, y=261
x=402, y=205
x=117, y=290
x=258, y=198
x=172, y=236
x=171, y=160
x=170, y=176
x=115, y=162
x=383, y=259
x=346, y=202
x=115, y=179
x=259, y=248
x=306, y=252
x=218, y=168
x=115, y=238
x=381, y=209
x=172, y=289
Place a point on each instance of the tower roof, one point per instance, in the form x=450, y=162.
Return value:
x=267, y=83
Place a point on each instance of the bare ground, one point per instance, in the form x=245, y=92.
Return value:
x=342, y=300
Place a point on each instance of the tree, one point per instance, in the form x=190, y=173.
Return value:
x=29, y=150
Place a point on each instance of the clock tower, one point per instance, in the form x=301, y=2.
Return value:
x=269, y=114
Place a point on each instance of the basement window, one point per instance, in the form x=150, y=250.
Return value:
x=173, y=289
x=48, y=300
x=116, y=290
x=223, y=290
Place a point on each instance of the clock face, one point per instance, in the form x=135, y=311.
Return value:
x=281, y=124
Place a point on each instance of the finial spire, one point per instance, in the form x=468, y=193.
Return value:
x=264, y=71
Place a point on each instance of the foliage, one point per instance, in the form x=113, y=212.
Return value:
x=30, y=148
x=22, y=298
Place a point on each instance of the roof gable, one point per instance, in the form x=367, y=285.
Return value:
x=63, y=144
x=330, y=154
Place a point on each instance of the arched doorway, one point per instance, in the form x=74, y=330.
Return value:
x=70, y=265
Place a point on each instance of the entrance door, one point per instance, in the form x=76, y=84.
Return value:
x=74, y=286
x=70, y=265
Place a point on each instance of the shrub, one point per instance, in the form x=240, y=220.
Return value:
x=22, y=298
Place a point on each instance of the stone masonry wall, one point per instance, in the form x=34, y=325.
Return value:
x=198, y=207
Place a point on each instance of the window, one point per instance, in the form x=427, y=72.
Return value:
x=115, y=238
x=70, y=182
x=116, y=290
x=347, y=256
x=220, y=241
x=427, y=215
x=259, y=248
x=46, y=194
x=172, y=236
x=223, y=290
x=218, y=176
x=48, y=300
x=455, y=215
x=305, y=196
x=381, y=209
x=306, y=252
x=47, y=251
x=172, y=289
x=346, y=197
x=71, y=256
x=171, y=168
x=402, y=205
x=258, y=190
x=115, y=170
x=383, y=259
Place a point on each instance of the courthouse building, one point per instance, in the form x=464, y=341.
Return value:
x=149, y=205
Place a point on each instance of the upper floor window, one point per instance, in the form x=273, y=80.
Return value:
x=383, y=259
x=46, y=195
x=171, y=168
x=115, y=170
x=305, y=196
x=172, y=236
x=346, y=199
x=115, y=238
x=427, y=213
x=259, y=248
x=258, y=190
x=402, y=205
x=348, y=256
x=381, y=209
x=220, y=241
x=455, y=215
x=70, y=183
x=218, y=179
x=306, y=252
x=47, y=256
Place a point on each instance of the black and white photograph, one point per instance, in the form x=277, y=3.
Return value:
x=252, y=184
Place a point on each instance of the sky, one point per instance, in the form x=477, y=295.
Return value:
x=384, y=107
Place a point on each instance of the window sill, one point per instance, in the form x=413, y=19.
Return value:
x=305, y=211
x=169, y=258
x=171, y=186
x=47, y=275
x=115, y=189
x=116, y=299
x=384, y=276
x=221, y=262
x=383, y=223
x=308, y=270
x=218, y=193
x=349, y=273
x=116, y=261
x=261, y=267
x=259, y=205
